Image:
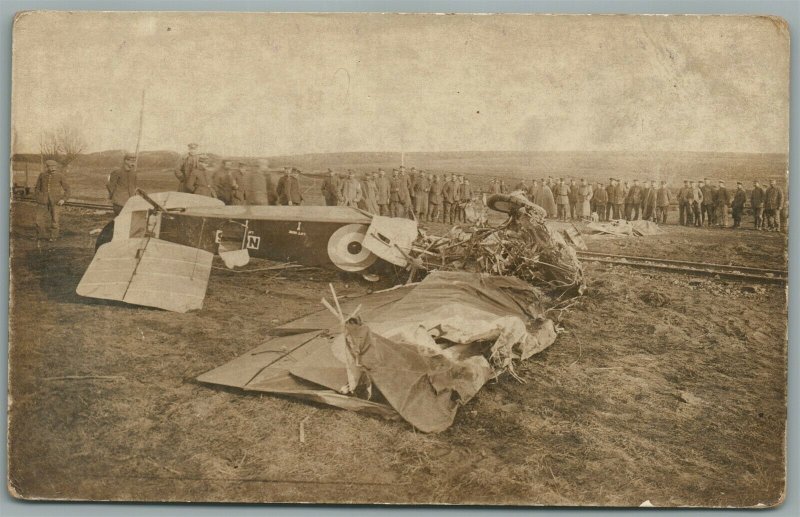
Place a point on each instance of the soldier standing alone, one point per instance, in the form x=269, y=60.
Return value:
x=188, y=164
x=50, y=192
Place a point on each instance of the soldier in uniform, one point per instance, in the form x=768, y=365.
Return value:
x=435, y=200
x=562, y=199
x=757, y=202
x=722, y=198
x=383, y=186
x=663, y=199
x=773, y=203
x=421, y=188
x=634, y=201
x=412, y=189
x=223, y=181
x=583, y=201
x=288, y=189
x=396, y=202
x=201, y=179
x=237, y=174
x=188, y=164
x=503, y=187
x=50, y=192
x=330, y=188
x=573, y=199
x=121, y=183
x=494, y=186
x=255, y=185
x=737, y=205
x=684, y=215
x=449, y=193
x=610, y=209
x=707, y=206
x=351, y=192
x=465, y=193
x=695, y=201
x=648, y=200
x=600, y=199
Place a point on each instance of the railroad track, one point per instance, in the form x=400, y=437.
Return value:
x=746, y=273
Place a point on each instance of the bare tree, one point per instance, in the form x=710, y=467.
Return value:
x=63, y=144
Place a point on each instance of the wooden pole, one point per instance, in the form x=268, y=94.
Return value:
x=139, y=138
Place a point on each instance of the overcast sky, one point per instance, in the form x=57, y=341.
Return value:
x=261, y=84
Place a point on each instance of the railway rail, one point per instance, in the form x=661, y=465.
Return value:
x=728, y=271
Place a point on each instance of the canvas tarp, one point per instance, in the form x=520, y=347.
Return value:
x=421, y=355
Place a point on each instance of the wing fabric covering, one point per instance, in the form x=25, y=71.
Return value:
x=420, y=353
x=148, y=272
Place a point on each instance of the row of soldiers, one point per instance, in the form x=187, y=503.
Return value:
x=237, y=183
x=700, y=203
x=414, y=194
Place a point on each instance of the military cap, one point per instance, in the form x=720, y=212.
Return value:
x=739, y=183
x=51, y=162
x=129, y=155
x=193, y=146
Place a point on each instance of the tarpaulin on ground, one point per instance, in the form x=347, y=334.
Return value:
x=420, y=356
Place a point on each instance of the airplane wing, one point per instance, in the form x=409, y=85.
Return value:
x=150, y=272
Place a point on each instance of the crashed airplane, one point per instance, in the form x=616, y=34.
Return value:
x=158, y=251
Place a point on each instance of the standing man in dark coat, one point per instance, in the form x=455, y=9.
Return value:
x=396, y=201
x=663, y=199
x=757, y=202
x=737, y=205
x=121, y=183
x=649, y=201
x=50, y=192
x=188, y=164
x=330, y=188
x=695, y=202
x=600, y=199
x=722, y=200
x=773, y=203
x=572, y=195
x=634, y=201
x=289, y=189
x=619, y=200
x=383, y=185
x=684, y=216
x=562, y=199
x=610, y=200
x=707, y=213
x=449, y=193
x=201, y=179
x=435, y=199
x=421, y=187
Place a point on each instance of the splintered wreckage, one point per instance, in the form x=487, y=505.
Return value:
x=469, y=305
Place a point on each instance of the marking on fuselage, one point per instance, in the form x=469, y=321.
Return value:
x=298, y=231
x=253, y=242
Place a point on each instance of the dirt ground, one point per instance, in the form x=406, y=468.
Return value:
x=679, y=399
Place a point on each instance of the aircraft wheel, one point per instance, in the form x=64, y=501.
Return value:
x=345, y=249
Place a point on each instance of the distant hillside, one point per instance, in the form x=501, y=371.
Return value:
x=672, y=166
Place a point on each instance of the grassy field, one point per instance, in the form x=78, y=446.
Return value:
x=680, y=403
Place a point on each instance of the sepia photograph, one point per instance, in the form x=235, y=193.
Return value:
x=461, y=259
